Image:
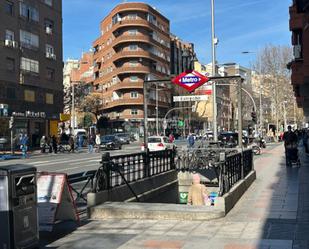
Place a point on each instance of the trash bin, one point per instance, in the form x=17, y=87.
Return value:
x=18, y=207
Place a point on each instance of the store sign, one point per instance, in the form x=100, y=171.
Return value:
x=29, y=114
x=190, y=80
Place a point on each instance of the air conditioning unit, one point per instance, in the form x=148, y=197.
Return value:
x=297, y=51
x=48, y=30
x=48, y=55
x=15, y=44
x=8, y=43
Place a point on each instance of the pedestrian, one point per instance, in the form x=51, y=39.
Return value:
x=24, y=145
x=49, y=144
x=91, y=142
x=171, y=138
x=98, y=142
x=71, y=143
x=54, y=144
x=80, y=139
x=198, y=194
x=191, y=140
x=43, y=144
x=305, y=140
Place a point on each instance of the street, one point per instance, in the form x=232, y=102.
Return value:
x=70, y=163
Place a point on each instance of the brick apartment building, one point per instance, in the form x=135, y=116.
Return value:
x=134, y=45
x=30, y=66
x=299, y=25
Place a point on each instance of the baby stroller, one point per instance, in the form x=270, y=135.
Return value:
x=291, y=156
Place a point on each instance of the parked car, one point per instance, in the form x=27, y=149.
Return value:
x=157, y=143
x=123, y=137
x=110, y=142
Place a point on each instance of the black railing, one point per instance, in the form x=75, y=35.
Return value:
x=125, y=169
x=234, y=168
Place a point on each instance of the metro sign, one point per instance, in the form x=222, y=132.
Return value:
x=190, y=80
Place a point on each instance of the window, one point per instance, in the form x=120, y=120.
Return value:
x=10, y=93
x=132, y=16
x=134, y=112
x=49, y=98
x=133, y=63
x=132, y=32
x=133, y=47
x=49, y=49
x=9, y=8
x=29, y=40
x=50, y=73
x=9, y=35
x=134, y=95
x=133, y=78
x=29, y=96
x=10, y=64
x=48, y=26
x=49, y=2
x=29, y=12
x=29, y=65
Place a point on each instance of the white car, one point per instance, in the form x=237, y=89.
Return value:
x=157, y=143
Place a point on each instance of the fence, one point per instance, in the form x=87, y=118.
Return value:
x=235, y=168
x=124, y=169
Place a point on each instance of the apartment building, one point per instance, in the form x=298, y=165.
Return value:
x=299, y=26
x=134, y=45
x=31, y=65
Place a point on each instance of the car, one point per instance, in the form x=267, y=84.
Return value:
x=123, y=137
x=110, y=142
x=157, y=143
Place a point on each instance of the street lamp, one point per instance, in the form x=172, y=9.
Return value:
x=214, y=42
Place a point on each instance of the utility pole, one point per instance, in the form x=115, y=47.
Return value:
x=145, y=117
x=73, y=107
x=157, y=111
x=240, y=113
x=214, y=94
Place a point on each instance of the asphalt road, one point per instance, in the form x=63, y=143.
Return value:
x=70, y=163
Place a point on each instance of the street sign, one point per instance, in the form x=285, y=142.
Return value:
x=164, y=124
x=190, y=80
x=180, y=123
x=190, y=98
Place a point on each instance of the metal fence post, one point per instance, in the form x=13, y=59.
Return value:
x=106, y=164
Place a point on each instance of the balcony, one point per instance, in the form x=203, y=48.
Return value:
x=137, y=54
x=126, y=85
x=296, y=19
x=123, y=102
x=126, y=23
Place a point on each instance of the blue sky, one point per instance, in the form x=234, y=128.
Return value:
x=240, y=25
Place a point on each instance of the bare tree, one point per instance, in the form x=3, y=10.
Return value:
x=270, y=64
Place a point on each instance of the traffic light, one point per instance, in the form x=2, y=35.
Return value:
x=253, y=116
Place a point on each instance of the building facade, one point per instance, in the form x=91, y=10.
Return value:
x=299, y=23
x=31, y=78
x=134, y=45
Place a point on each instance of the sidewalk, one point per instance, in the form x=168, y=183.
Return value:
x=272, y=214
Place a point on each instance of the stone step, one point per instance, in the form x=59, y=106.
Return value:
x=156, y=211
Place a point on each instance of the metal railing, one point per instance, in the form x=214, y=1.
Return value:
x=125, y=169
